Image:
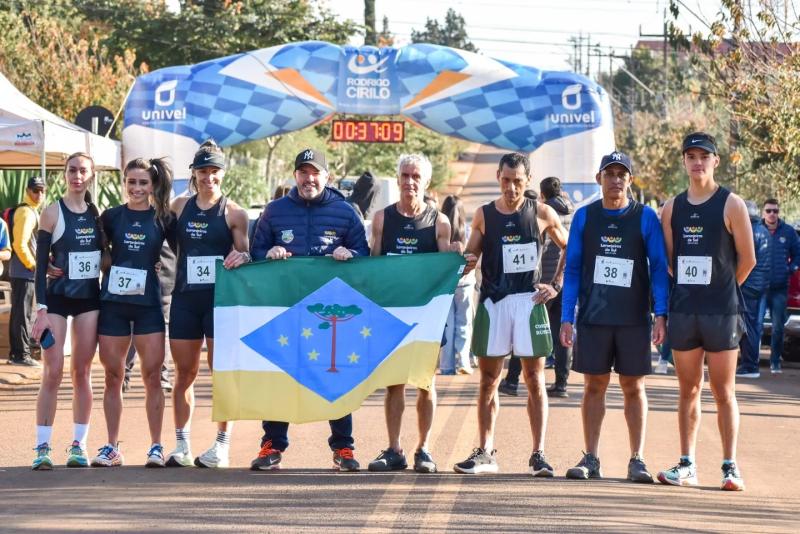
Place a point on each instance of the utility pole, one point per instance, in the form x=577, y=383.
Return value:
x=370, y=35
x=665, y=75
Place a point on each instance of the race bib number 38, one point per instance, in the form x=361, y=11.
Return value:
x=519, y=258
x=613, y=271
x=84, y=265
x=126, y=281
x=201, y=269
x=694, y=270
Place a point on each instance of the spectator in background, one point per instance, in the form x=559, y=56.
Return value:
x=363, y=194
x=5, y=244
x=785, y=252
x=24, y=226
x=458, y=331
x=281, y=191
x=754, y=291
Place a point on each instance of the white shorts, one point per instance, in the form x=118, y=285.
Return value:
x=506, y=327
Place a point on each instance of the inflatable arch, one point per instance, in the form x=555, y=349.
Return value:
x=562, y=118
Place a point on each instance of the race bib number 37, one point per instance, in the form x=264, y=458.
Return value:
x=126, y=281
x=519, y=258
x=84, y=265
x=201, y=269
x=694, y=270
x=613, y=271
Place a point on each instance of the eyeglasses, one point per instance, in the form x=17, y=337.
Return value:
x=772, y=210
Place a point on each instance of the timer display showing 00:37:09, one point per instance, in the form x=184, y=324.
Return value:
x=368, y=131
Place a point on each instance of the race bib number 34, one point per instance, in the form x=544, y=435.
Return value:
x=694, y=270
x=613, y=271
x=84, y=265
x=126, y=281
x=201, y=269
x=519, y=258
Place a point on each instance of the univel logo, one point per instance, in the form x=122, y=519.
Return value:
x=164, y=96
x=571, y=101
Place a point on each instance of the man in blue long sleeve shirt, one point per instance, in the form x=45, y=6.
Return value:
x=615, y=258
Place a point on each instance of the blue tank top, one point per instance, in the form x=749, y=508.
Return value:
x=201, y=236
x=77, y=253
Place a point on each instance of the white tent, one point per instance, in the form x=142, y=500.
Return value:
x=32, y=137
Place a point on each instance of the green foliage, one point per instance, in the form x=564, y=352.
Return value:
x=452, y=32
x=330, y=311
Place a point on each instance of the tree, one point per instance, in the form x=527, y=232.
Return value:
x=452, y=33
x=331, y=315
x=370, y=35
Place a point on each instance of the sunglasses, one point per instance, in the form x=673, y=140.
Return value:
x=772, y=210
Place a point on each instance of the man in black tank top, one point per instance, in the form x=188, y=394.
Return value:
x=710, y=245
x=511, y=317
x=409, y=227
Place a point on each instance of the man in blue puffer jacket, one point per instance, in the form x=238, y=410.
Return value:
x=312, y=220
x=754, y=291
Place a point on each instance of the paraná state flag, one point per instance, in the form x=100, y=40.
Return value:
x=309, y=338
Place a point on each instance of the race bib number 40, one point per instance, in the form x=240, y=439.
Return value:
x=694, y=270
x=126, y=281
x=202, y=269
x=84, y=265
x=613, y=271
x=519, y=258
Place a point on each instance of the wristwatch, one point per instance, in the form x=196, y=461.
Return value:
x=556, y=286
x=247, y=255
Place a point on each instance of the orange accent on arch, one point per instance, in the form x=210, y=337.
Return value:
x=443, y=81
x=295, y=80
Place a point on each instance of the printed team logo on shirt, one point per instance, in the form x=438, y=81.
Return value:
x=136, y=224
x=134, y=237
x=84, y=231
x=692, y=234
x=782, y=239
x=330, y=233
x=134, y=242
x=610, y=239
x=694, y=216
x=197, y=225
x=287, y=236
x=85, y=236
x=693, y=229
x=407, y=241
x=409, y=226
x=406, y=245
x=511, y=238
x=196, y=230
x=610, y=244
x=510, y=224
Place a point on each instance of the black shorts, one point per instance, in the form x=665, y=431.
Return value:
x=714, y=333
x=599, y=348
x=191, y=315
x=66, y=306
x=118, y=319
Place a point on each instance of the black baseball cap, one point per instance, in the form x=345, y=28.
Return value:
x=618, y=158
x=208, y=159
x=35, y=182
x=311, y=157
x=700, y=140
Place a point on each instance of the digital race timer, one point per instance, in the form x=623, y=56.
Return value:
x=368, y=131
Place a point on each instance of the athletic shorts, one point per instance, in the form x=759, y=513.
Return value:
x=118, y=319
x=601, y=348
x=507, y=327
x=191, y=315
x=66, y=306
x=714, y=333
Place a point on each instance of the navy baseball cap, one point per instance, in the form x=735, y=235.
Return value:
x=208, y=159
x=36, y=182
x=311, y=157
x=700, y=140
x=618, y=158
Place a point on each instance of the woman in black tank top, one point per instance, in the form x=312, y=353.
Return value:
x=69, y=232
x=131, y=301
x=209, y=226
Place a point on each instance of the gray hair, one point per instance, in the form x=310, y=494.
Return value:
x=419, y=161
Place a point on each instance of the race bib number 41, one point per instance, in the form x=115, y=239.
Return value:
x=519, y=258
x=202, y=269
x=613, y=271
x=694, y=270
x=126, y=281
x=84, y=265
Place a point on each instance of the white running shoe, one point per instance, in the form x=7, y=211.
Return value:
x=108, y=456
x=216, y=456
x=662, y=367
x=155, y=456
x=181, y=456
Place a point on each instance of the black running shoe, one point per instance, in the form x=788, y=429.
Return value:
x=508, y=388
x=637, y=471
x=557, y=391
x=480, y=461
x=588, y=467
x=388, y=460
x=423, y=462
x=267, y=459
x=343, y=460
x=538, y=466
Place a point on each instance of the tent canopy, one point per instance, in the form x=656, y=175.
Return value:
x=32, y=137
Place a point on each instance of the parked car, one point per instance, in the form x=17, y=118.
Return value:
x=791, y=329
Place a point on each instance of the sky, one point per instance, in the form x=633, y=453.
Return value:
x=535, y=32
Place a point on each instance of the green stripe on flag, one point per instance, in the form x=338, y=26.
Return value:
x=405, y=280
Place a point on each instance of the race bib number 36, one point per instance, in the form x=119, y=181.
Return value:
x=201, y=269
x=84, y=265
x=519, y=258
x=694, y=270
x=126, y=281
x=613, y=271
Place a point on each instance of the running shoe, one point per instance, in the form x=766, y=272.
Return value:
x=216, y=456
x=557, y=391
x=388, y=460
x=637, y=471
x=267, y=459
x=683, y=474
x=549, y=362
x=538, y=466
x=343, y=460
x=588, y=467
x=42, y=462
x=743, y=372
x=508, y=388
x=662, y=367
x=480, y=461
x=423, y=462
x=464, y=370
x=775, y=369
x=107, y=456
x=77, y=456
x=155, y=456
x=731, y=478
x=181, y=456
